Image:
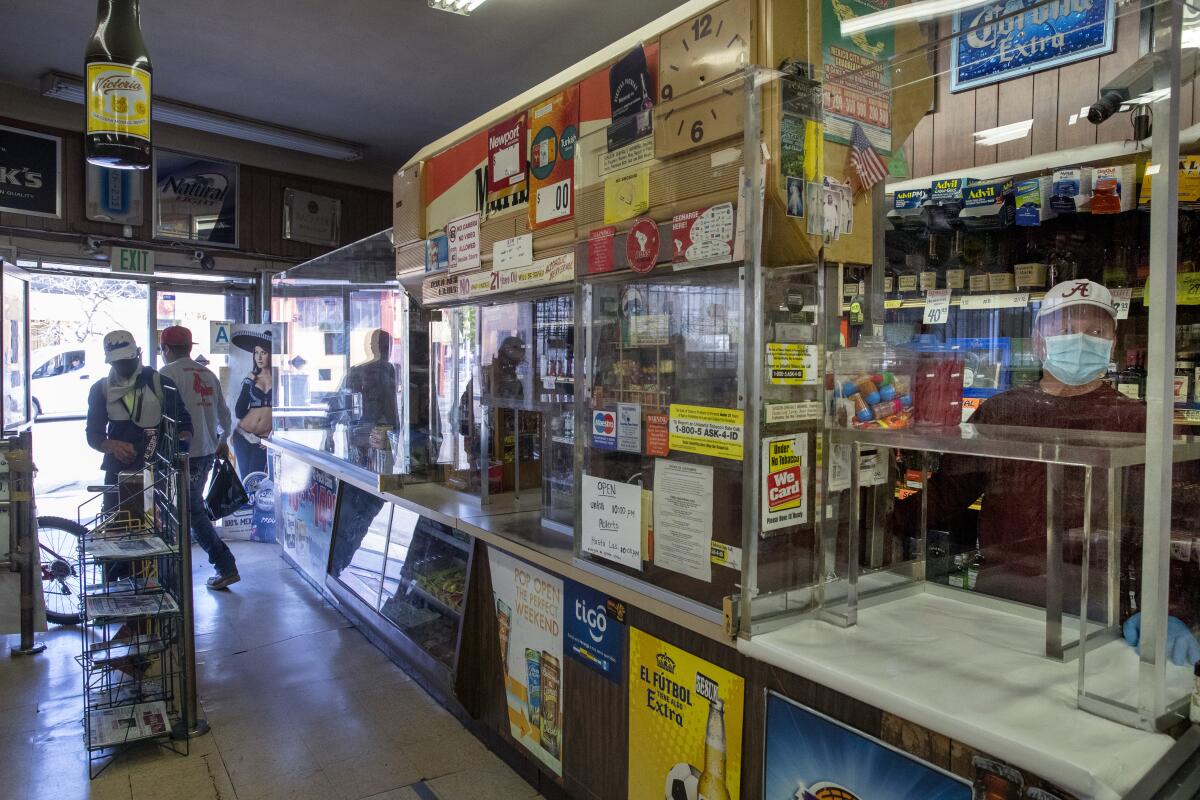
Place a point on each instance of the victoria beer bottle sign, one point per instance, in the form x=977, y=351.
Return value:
x=118, y=89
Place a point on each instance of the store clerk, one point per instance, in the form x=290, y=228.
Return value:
x=1073, y=336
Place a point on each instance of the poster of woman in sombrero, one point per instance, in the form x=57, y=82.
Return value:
x=252, y=406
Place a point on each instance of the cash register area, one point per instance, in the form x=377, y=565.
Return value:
x=301, y=706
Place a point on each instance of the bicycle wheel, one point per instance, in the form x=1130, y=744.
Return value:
x=62, y=584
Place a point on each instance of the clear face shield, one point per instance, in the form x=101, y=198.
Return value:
x=1075, y=344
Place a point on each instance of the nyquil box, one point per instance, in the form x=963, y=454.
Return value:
x=1072, y=190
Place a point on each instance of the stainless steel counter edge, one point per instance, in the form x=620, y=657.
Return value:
x=459, y=511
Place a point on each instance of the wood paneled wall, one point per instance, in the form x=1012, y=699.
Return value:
x=943, y=140
x=260, y=206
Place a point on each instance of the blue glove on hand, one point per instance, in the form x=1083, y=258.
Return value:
x=1182, y=647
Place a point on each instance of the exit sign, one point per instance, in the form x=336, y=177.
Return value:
x=127, y=259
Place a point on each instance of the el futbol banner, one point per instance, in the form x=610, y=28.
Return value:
x=685, y=724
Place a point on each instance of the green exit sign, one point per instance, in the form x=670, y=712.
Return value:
x=127, y=259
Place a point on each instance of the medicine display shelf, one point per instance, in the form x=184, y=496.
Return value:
x=956, y=298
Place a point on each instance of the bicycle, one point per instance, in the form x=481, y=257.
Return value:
x=62, y=583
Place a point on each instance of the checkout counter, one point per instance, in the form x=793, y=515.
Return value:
x=590, y=434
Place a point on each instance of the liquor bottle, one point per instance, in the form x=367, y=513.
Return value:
x=955, y=272
x=712, y=779
x=118, y=89
x=1132, y=381
x=928, y=276
x=908, y=282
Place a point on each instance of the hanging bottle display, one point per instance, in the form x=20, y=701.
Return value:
x=118, y=89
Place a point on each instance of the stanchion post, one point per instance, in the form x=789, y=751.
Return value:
x=20, y=492
x=191, y=724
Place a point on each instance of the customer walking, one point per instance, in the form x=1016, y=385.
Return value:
x=125, y=413
x=211, y=424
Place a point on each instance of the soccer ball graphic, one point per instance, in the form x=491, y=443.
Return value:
x=683, y=782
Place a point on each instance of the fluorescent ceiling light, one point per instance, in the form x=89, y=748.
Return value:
x=464, y=7
x=924, y=9
x=1004, y=133
x=71, y=89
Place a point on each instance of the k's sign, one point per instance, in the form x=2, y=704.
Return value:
x=30, y=173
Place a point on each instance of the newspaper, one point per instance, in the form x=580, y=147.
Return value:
x=135, y=605
x=147, y=547
x=112, y=726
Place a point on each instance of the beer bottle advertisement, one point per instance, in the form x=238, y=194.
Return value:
x=685, y=724
x=118, y=89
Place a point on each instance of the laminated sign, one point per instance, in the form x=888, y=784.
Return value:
x=685, y=724
x=785, y=476
x=554, y=127
x=707, y=431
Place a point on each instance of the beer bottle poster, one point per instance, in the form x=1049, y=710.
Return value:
x=685, y=724
x=554, y=134
x=528, y=604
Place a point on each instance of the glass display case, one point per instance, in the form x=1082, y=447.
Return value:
x=409, y=568
x=352, y=360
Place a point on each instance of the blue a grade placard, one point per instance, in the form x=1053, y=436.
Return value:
x=595, y=630
x=999, y=41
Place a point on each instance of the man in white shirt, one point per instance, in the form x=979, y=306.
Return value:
x=212, y=424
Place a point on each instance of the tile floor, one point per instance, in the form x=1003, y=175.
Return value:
x=301, y=705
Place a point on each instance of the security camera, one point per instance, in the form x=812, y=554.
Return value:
x=203, y=259
x=1135, y=84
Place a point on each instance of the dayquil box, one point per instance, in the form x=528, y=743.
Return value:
x=1112, y=188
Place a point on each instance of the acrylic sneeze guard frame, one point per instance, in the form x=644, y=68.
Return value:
x=838, y=598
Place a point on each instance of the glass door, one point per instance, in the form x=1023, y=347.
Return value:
x=196, y=308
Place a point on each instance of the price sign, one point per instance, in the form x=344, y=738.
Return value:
x=892, y=304
x=937, y=306
x=1121, y=298
x=554, y=202
x=994, y=301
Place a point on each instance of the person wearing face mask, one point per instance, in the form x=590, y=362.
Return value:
x=125, y=411
x=1074, y=335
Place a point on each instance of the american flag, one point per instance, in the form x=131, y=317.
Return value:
x=868, y=166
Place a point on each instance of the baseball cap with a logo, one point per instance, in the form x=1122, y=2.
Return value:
x=1077, y=293
x=119, y=345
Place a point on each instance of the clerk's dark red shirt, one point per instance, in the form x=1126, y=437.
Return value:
x=1012, y=519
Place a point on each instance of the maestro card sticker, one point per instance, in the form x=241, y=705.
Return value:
x=604, y=430
x=554, y=132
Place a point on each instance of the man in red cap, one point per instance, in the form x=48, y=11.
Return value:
x=212, y=424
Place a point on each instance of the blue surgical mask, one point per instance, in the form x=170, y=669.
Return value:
x=1077, y=358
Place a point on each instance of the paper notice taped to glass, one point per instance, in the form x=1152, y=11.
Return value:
x=683, y=518
x=612, y=520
